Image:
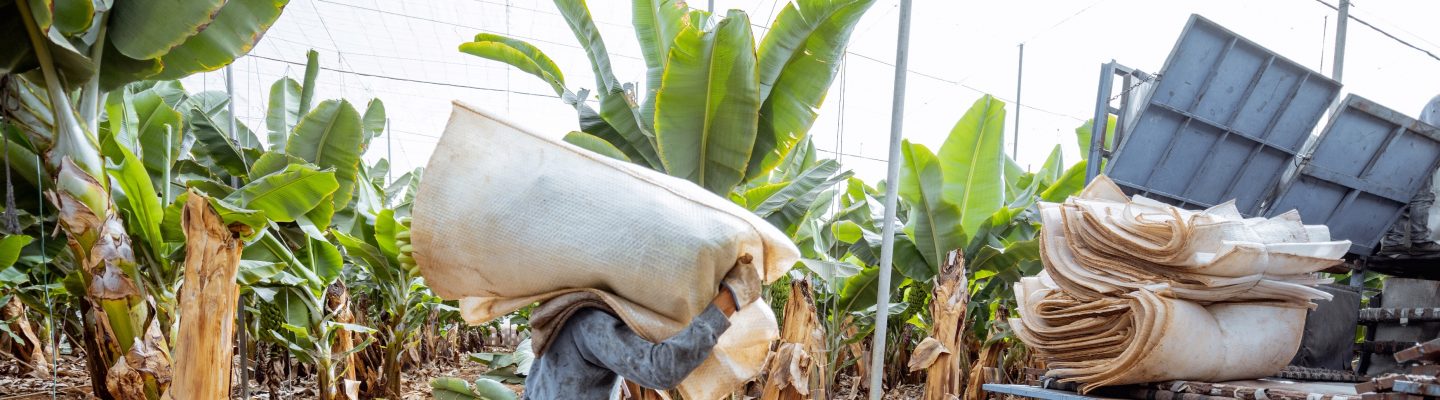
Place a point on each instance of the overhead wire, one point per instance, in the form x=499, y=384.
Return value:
x=432, y=20
x=396, y=78
x=1382, y=31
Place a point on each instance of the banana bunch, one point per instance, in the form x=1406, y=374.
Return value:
x=407, y=251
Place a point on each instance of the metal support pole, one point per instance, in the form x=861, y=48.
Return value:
x=1019, y=78
x=1340, y=40
x=892, y=179
x=711, y=7
x=240, y=308
x=1101, y=121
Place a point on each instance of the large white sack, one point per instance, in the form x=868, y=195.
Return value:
x=505, y=218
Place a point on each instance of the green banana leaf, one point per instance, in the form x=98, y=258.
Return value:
x=330, y=136
x=657, y=22
x=362, y=253
x=798, y=59
x=708, y=104
x=18, y=55
x=592, y=123
x=283, y=112
x=1071, y=182
x=862, y=290
x=518, y=54
x=1052, y=168
x=934, y=222
x=286, y=195
x=10, y=248
x=209, y=122
x=789, y=205
x=232, y=33
x=271, y=162
x=595, y=144
x=324, y=258
x=973, y=162
x=143, y=211
x=1083, y=136
x=616, y=107
x=145, y=29
x=374, y=120
x=157, y=121
x=307, y=86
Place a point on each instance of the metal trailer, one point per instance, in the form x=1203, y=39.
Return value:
x=1226, y=119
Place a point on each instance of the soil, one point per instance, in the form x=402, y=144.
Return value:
x=72, y=383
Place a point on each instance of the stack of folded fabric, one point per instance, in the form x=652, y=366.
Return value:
x=1135, y=290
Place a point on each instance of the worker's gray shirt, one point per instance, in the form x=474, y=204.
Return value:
x=582, y=361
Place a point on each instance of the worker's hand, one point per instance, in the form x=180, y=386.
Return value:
x=743, y=282
x=407, y=251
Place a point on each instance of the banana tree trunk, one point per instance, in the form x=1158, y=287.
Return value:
x=798, y=363
x=393, y=362
x=133, y=362
x=942, y=355
x=986, y=364
x=633, y=391
x=857, y=352
x=337, y=301
x=207, y=304
x=29, y=350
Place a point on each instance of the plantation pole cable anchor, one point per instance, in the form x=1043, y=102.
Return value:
x=892, y=177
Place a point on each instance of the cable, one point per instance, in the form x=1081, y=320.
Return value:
x=1063, y=21
x=537, y=40
x=962, y=84
x=456, y=85
x=850, y=155
x=1383, y=32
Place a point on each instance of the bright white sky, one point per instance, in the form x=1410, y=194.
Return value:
x=404, y=52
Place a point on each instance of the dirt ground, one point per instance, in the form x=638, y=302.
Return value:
x=72, y=383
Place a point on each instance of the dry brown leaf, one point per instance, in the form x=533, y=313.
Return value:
x=926, y=353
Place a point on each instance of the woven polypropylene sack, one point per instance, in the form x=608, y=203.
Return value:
x=506, y=217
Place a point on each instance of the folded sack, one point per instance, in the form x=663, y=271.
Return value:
x=506, y=218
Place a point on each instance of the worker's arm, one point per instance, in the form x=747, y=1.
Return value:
x=604, y=340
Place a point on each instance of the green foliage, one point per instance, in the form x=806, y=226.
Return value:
x=1083, y=136
x=708, y=104
x=331, y=136
x=595, y=144
x=710, y=112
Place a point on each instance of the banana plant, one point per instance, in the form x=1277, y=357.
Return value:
x=715, y=109
x=398, y=297
x=62, y=57
x=969, y=196
x=300, y=256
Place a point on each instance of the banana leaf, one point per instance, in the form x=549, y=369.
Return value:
x=973, y=162
x=330, y=136
x=798, y=59
x=708, y=104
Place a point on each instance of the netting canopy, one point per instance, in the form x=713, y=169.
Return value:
x=405, y=53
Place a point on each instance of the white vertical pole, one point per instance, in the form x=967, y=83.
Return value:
x=892, y=178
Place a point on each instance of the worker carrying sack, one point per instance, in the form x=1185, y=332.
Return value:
x=506, y=218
